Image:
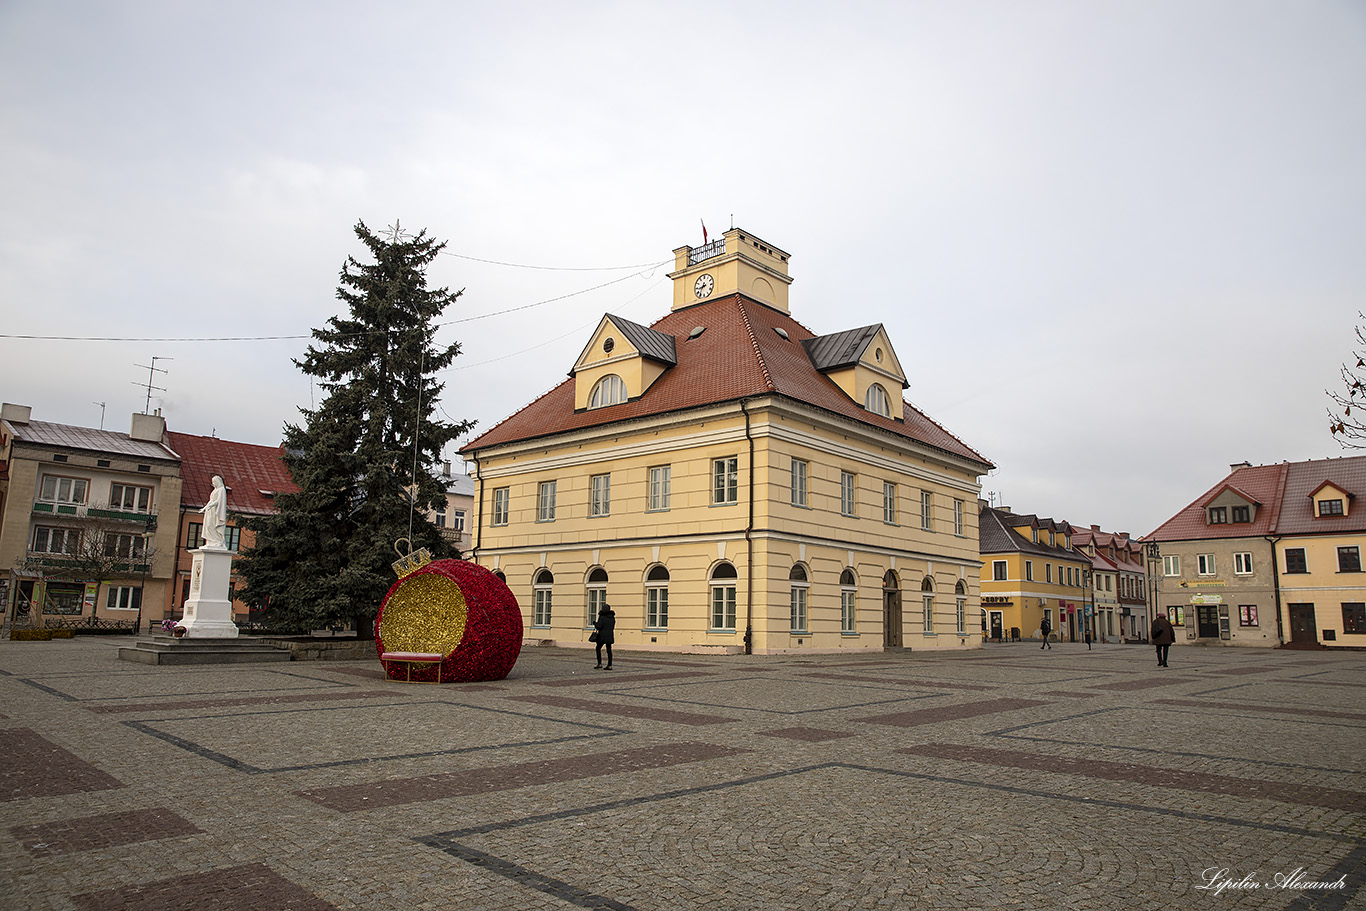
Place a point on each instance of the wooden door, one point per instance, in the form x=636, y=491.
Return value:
x=1303, y=627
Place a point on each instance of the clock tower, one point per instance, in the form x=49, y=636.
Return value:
x=736, y=262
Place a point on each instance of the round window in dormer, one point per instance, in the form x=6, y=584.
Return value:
x=608, y=344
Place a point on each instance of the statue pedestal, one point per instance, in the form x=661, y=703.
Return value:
x=208, y=612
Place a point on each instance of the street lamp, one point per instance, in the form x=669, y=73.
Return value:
x=148, y=531
x=1154, y=554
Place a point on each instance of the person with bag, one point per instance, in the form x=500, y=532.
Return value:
x=1045, y=628
x=604, y=633
x=1163, y=637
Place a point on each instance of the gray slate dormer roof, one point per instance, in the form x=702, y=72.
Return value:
x=840, y=349
x=649, y=342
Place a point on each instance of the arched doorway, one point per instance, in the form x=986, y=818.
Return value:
x=891, y=611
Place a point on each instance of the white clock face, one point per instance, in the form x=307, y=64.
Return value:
x=704, y=285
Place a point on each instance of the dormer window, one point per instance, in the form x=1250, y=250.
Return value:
x=1218, y=515
x=1241, y=514
x=876, y=401
x=610, y=390
x=1330, y=508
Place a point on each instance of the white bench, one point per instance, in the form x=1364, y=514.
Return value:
x=411, y=658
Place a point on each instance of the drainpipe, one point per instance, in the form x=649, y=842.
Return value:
x=1276, y=587
x=478, y=526
x=749, y=543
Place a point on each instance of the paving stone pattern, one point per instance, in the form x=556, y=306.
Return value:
x=1004, y=778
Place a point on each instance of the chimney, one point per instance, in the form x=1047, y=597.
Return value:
x=1236, y=465
x=446, y=469
x=148, y=428
x=15, y=414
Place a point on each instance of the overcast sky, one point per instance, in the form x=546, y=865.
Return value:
x=1117, y=245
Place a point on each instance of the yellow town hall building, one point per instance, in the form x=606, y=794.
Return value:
x=729, y=481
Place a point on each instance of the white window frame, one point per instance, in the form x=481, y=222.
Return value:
x=962, y=608
x=848, y=608
x=1205, y=565
x=889, y=495
x=723, y=606
x=70, y=539
x=55, y=488
x=657, y=604
x=501, y=496
x=458, y=519
x=661, y=480
x=610, y=390
x=1029, y=570
x=1171, y=564
x=1000, y=571
x=545, y=501
x=596, y=598
x=141, y=495
x=1242, y=563
x=927, y=604
x=926, y=511
x=543, y=599
x=877, y=401
x=848, y=493
x=725, y=481
x=801, y=471
x=600, y=496
x=123, y=597
x=959, y=527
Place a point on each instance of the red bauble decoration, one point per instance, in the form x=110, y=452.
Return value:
x=424, y=608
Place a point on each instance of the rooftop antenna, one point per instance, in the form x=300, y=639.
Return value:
x=151, y=369
x=101, y=404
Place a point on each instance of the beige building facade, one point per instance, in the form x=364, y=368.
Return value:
x=728, y=481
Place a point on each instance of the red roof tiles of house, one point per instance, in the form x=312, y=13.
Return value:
x=1284, y=494
x=738, y=355
x=252, y=473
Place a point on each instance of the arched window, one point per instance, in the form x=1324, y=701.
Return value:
x=927, y=597
x=960, y=592
x=609, y=391
x=876, y=401
x=657, y=598
x=800, y=587
x=597, y=592
x=848, y=598
x=723, y=578
x=540, y=584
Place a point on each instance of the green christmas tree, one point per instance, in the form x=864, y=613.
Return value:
x=364, y=457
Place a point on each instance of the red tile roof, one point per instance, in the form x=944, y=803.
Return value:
x=247, y=469
x=1284, y=491
x=739, y=355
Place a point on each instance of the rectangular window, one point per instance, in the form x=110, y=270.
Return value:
x=661, y=479
x=926, y=511
x=1218, y=515
x=723, y=607
x=1048, y=572
x=1330, y=507
x=800, y=471
x=500, y=506
x=545, y=502
x=848, y=496
x=458, y=519
x=1353, y=617
x=847, y=600
x=962, y=616
x=1204, y=564
x=1349, y=560
x=1242, y=563
x=1247, y=615
x=1069, y=576
x=439, y=516
x=1109, y=583
x=798, y=602
x=928, y=604
x=725, y=481
x=48, y=540
x=1171, y=565
x=657, y=608
x=600, y=502
x=1295, y=561
x=123, y=597
x=889, y=502
x=1029, y=570
x=542, y=615
x=998, y=570
x=128, y=498
x=1240, y=514
x=122, y=547
x=232, y=536
x=597, y=597
x=63, y=490
x=958, y=526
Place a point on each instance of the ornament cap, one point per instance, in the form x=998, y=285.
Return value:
x=412, y=561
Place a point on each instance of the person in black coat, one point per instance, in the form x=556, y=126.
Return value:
x=1044, y=629
x=606, y=626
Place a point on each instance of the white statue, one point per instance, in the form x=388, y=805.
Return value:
x=216, y=516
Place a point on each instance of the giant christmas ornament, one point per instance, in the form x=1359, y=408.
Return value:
x=460, y=614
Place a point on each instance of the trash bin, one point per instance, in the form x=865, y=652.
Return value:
x=1014, y=634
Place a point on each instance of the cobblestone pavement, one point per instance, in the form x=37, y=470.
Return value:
x=1000, y=778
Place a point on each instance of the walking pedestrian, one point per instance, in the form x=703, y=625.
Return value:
x=1045, y=628
x=606, y=626
x=1088, y=638
x=1163, y=637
